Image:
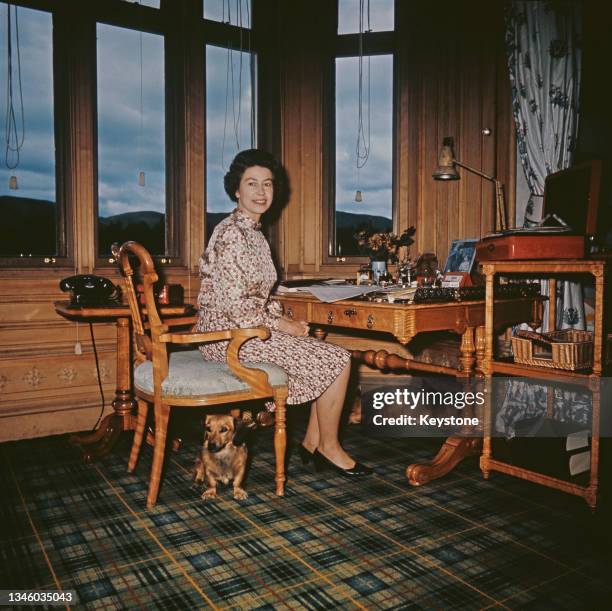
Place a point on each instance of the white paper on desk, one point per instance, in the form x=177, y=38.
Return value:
x=280, y=289
x=330, y=294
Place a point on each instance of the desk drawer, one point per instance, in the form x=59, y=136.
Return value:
x=295, y=311
x=354, y=317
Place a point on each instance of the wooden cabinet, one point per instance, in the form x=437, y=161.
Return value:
x=588, y=379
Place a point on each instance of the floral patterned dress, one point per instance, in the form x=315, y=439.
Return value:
x=237, y=275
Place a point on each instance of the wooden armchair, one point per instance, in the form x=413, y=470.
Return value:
x=183, y=378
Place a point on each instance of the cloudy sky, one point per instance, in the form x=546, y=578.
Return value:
x=132, y=139
x=375, y=177
x=229, y=132
x=36, y=170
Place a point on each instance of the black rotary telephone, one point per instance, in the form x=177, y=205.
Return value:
x=90, y=290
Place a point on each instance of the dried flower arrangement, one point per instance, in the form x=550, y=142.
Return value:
x=381, y=246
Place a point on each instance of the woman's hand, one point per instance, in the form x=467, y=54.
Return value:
x=297, y=328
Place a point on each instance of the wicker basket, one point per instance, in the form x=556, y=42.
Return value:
x=569, y=349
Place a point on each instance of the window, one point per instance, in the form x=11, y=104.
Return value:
x=233, y=12
x=378, y=16
x=373, y=182
x=30, y=222
x=230, y=122
x=131, y=140
x=361, y=135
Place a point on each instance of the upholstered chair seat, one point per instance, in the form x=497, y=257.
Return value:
x=190, y=375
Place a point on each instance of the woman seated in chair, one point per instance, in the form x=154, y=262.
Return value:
x=237, y=276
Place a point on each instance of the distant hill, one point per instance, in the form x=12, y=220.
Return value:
x=348, y=224
x=376, y=223
x=28, y=226
x=146, y=227
x=212, y=220
x=148, y=217
x=12, y=207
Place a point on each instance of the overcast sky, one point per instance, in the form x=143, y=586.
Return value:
x=131, y=140
x=36, y=170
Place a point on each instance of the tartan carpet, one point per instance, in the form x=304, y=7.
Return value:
x=376, y=543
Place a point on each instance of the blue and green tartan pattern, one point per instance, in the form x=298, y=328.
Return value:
x=376, y=543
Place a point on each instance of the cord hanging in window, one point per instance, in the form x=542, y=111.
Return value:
x=252, y=72
x=362, y=149
x=240, y=54
x=231, y=85
x=13, y=141
x=141, y=173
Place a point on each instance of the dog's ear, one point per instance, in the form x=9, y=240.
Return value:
x=205, y=424
x=242, y=430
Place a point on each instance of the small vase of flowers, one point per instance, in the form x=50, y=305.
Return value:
x=382, y=247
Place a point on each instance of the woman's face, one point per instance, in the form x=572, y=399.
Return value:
x=255, y=192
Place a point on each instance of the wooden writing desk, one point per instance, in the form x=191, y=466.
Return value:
x=101, y=442
x=404, y=322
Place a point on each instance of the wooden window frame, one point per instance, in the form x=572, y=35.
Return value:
x=64, y=257
x=347, y=45
x=162, y=22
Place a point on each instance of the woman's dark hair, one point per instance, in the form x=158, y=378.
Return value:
x=248, y=159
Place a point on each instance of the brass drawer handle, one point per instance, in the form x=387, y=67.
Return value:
x=330, y=317
x=350, y=313
x=370, y=323
x=290, y=312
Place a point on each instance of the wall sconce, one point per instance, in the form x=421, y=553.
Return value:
x=446, y=170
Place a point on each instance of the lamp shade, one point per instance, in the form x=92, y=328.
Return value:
x=446, y=169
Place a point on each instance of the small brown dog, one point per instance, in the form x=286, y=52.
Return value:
x=224, y=455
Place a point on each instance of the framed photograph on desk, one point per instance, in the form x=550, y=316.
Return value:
x=460, y=263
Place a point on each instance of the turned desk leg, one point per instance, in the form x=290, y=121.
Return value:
x=467, y=350
x=480, y=347
x=488, y=349
x=320, y=333
x=598, y=325
x=101, y=442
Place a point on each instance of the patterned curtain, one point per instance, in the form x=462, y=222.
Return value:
x=544, y=63
x=544, y=60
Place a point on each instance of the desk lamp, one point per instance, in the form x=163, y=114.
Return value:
x=446, y=170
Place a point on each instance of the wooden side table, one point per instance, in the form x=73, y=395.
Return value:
x=101, y=442
x=552, y=269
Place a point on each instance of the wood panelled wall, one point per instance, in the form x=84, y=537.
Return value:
x=451, y=80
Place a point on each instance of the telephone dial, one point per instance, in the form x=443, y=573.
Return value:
x=90, y=290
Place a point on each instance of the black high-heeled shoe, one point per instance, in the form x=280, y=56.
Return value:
x=357, y=470
x=305, y=455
